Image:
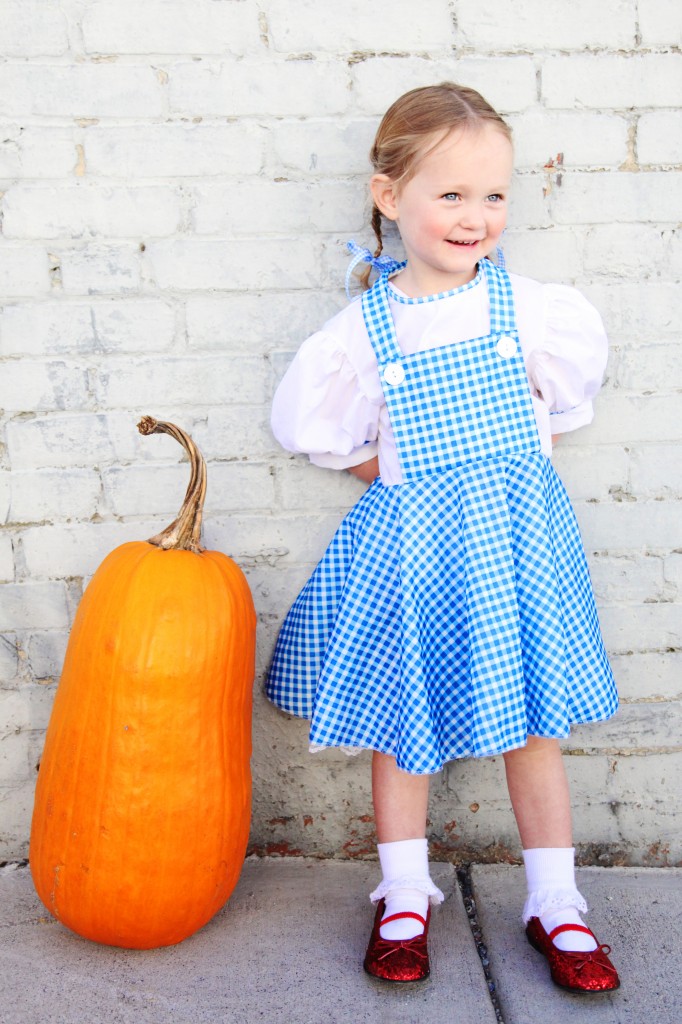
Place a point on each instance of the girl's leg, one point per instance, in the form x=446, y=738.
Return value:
x=538, y=789
x=400, y=801
x=400, y=804
x=540, y=797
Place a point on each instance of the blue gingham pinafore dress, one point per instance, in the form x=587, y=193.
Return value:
x=452, y=615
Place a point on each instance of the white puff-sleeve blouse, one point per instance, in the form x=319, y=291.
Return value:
x=330, y=404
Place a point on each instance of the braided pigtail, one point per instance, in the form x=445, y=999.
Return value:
x=376, y=228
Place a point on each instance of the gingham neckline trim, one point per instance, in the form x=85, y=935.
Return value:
x=408, y=301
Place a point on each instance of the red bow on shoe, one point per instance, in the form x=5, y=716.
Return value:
x=587, y=957
x=394, y=945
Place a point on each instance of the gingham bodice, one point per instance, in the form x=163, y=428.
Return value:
x=455, y=403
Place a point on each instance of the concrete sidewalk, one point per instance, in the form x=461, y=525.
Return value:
x=288, y=948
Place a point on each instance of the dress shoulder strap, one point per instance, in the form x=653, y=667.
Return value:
x=502, y=311
x=379, y=322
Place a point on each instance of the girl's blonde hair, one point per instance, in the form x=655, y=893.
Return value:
x=410, y=122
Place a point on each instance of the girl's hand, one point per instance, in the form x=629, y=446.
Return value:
x=366, y=471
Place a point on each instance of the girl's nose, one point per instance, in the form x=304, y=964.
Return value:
x=472, y=216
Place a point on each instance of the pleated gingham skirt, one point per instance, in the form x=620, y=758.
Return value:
x=450, y=617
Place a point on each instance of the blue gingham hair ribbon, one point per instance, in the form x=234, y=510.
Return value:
x=384, y=264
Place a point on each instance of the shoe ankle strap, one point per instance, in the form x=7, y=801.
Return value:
x=404, y=914
x=569, y=928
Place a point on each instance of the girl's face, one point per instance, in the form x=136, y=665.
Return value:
x=452, y=211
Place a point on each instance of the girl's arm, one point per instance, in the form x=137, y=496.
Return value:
x=320, y=407
x=366, y=471
x=566, y=369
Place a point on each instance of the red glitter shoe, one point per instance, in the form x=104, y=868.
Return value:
x=398, y=959
x=576, y=971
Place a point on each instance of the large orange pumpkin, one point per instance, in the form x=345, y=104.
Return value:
x=143, y=799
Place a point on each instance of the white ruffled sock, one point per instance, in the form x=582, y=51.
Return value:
x=553, y=896
x=405, y=859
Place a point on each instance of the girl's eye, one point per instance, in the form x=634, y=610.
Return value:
x=451, y=195
x=496, y=198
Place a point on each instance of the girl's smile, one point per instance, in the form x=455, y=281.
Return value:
x=452, y=211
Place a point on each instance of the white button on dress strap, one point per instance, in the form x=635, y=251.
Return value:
x=394, y=374
x=506, y=346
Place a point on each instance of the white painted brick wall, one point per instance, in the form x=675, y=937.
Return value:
x=281, y=88
x=620, y=82
x=6, y=559
x=487, y=25
x=80, y=90
x=586, y=138
x=84, y=210
x=174, y=150
x=162, y=26
x=46, y=495
x=24, y=270
x=37, y=152
x=33, y=29
x=67, y=328
x=97, y=268
x=659, y=137
x=508, y=82
x=379, y=26
x=177, y=181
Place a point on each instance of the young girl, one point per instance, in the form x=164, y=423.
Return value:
x=452, y=614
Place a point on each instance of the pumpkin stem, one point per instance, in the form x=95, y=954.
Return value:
x=184, y=533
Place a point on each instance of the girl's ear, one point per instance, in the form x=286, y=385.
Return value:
x=384, y=194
